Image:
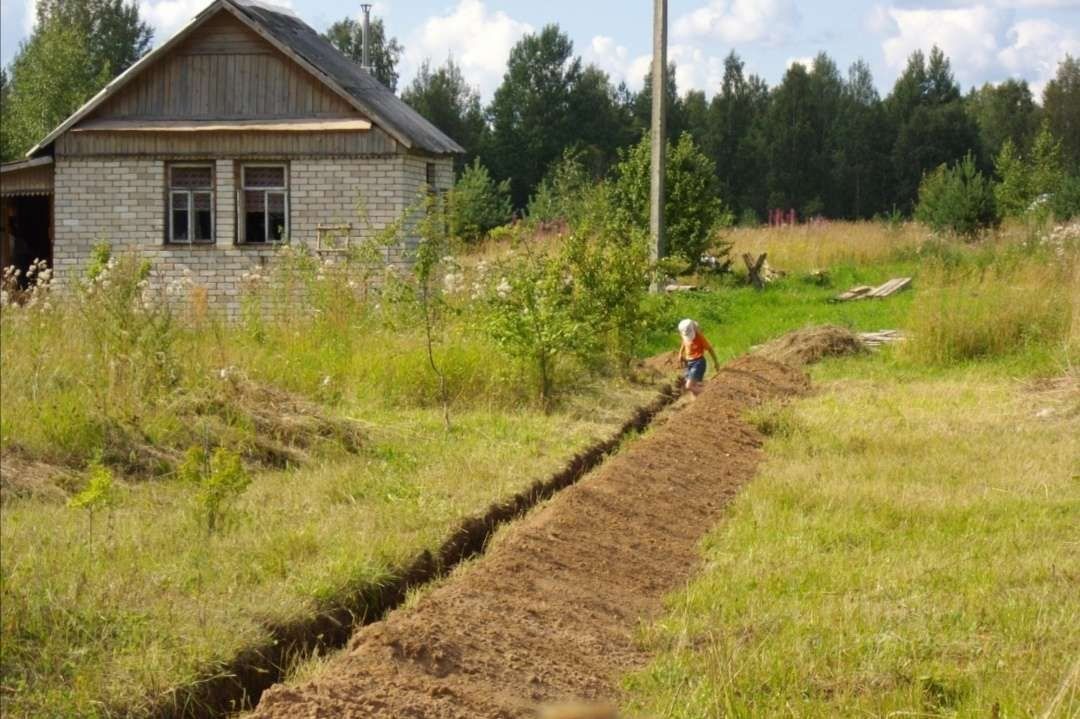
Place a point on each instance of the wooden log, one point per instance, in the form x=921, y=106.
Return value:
x=753, y=269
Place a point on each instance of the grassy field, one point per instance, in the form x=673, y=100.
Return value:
x=149, y=601
x=352, y=474
x=910, y=546
x=115, y=606
x=908, y=549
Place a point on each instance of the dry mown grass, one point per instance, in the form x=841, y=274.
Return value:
x=805, y=248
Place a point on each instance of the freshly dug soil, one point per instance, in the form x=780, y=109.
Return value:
x=812, y=344
x=548, y=615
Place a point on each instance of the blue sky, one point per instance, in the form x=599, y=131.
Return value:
x=987, y=41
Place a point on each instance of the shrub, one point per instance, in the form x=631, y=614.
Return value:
x=1065, y=203
x=220, y=479
x=100, y=493
x=478, y=204
x=692, y=205
x=560, y=194
x=1031, y=185
x=957, y=199
x=527, y=310
x=607, y=264
x=577, y=302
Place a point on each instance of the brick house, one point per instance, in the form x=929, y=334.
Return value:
x=244, y=130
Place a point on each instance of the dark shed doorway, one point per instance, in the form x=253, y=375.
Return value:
x=26, y=214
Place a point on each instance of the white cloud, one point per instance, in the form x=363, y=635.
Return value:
x=168, y=16
x=695, y=69
x=479, y=40
x=615, y=60
x=1035, y=48
x=968, y=36
x=981, y=41
x=807, y=62
x=740, y=21
x=30, y=16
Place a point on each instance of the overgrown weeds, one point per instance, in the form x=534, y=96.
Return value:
x=1022, y=297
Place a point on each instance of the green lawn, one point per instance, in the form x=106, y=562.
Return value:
x=734, y=318
x=909, y=549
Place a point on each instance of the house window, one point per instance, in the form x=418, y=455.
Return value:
x=430, y=176
x=191, y=204
x=264, y=204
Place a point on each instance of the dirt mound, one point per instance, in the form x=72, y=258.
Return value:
x=665, y=363
x=549, y=614
x=268, y=427
x=23, y=476
x=285, y=426
x=810, y=345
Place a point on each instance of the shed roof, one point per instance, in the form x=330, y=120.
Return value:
x=376, y=98
x=296, y=39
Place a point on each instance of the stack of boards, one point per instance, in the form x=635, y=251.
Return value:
x=865, y=292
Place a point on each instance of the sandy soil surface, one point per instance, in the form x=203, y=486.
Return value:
x=549, y=614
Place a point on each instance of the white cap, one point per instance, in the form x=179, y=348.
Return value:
x=688, y=329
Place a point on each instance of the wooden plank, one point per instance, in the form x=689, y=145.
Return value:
x=278, y=125
x=853, y=293
x=891, y=287
x=371, y=143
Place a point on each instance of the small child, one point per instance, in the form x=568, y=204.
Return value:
x=692, y=355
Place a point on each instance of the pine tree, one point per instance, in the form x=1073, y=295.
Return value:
x=530, y=113
x=1061, y=103
x=348, y=36
x=932, y=126
x=444, y=97
x=116, y=36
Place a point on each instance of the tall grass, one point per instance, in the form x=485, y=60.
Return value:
x=1015, y=299
x=120, y=374
x=804, y=248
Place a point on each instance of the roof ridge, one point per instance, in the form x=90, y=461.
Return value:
x=293, y=37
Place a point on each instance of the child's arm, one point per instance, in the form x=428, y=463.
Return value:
x=712, y=353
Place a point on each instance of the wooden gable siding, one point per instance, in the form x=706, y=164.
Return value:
x=27, y=181
x=225, y=71
x=373, y=142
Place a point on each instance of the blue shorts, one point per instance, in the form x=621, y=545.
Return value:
x=695, y=369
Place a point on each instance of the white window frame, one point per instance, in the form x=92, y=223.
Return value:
x=241, y=201
x=211, y=190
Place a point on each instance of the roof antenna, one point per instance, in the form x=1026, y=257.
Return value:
x=366, y=53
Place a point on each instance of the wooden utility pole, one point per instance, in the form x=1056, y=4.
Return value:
x=658, y=135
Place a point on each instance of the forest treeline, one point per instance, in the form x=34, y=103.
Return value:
x=823, y=141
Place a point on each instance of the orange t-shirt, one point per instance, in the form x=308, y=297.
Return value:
x=696, y=347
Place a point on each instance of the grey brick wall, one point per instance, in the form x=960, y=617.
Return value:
x=122, y=202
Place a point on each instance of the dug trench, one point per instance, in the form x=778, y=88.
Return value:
x=238, y=685
x=549, y=613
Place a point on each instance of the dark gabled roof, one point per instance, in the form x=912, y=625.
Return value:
x=384, y=106
x=295, y=38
